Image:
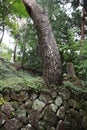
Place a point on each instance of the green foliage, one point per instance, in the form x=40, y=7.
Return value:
x=9, y=10
x=5, y=72
x=18, y=9
x=2, y=101
x=70, y=51
x=27, y=53
x=26, y=41
x=5, y=52
x=82, y=62
x=17, y=80
x=76, y=53
x=19, y=83
x=76, y=15
x=35, y=84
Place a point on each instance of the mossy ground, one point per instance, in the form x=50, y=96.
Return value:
x=11, y=78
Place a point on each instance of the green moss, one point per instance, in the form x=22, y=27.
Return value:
x=35, y=83
x=17, y=80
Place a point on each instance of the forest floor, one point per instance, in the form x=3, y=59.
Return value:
x=12, y=76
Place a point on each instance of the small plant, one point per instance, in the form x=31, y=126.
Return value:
x=2, y=101
x=35, y=84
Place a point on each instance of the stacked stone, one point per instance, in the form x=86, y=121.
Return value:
x=59, y=109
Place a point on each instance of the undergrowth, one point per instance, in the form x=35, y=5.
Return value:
x=17, y=80
x=15, y=83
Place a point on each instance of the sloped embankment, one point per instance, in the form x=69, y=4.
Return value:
x=10, y=77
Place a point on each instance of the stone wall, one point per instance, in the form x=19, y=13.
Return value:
x=58, y=109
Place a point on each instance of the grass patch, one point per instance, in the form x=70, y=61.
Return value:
x=17, y=80
x=16, y=83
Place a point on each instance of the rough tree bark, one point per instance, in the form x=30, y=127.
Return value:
x=52, y=72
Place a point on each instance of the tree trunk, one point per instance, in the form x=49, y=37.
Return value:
x=52, y=72
x=14, y=56
x=23, y=55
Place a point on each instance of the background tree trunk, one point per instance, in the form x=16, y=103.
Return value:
x=70, y=70
x=14, y=56
x=52, y=72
